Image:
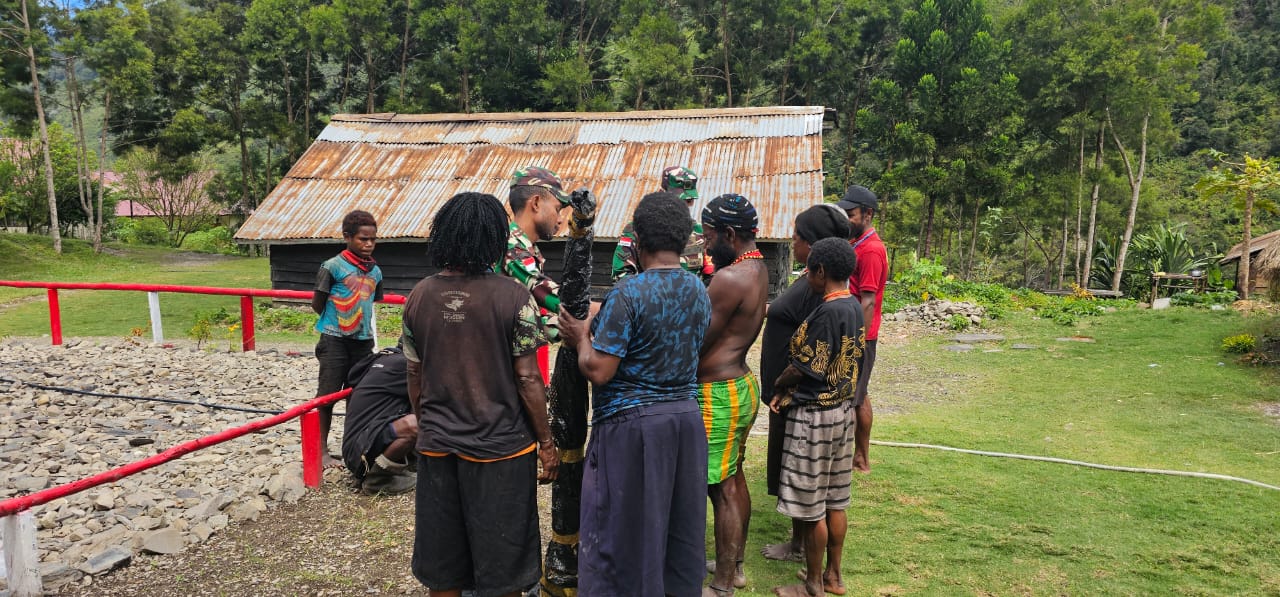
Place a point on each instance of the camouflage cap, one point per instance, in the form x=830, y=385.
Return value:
x=533, y=176
x=682, y=180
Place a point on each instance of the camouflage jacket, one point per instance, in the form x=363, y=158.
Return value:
x=626, y=258
x=523, y=262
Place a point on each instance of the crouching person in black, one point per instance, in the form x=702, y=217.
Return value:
x=381, y=428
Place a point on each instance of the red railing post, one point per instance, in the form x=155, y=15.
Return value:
x=246, y=324
x=311, y=472
x=55, y=318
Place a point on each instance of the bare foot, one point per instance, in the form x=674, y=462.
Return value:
x=739, y=575
x=796, y=591
x=328, y=461
x=830, y=584
x=782, y=552
x=861, y=463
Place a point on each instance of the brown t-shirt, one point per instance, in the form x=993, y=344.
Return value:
x=466, y=331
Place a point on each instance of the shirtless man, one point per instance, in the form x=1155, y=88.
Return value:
x=729, y=393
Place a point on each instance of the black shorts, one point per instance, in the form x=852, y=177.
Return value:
x=337, y=356
x=360, y=449
x=477, y=524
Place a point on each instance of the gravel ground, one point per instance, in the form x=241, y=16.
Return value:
x=232, y=519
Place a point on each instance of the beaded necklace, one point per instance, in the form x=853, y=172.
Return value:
x=752, y=254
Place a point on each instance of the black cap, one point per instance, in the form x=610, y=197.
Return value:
x=857, y=196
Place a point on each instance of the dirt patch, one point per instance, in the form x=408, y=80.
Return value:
x=190, y=259
x=332, y=542
x=1271, y=409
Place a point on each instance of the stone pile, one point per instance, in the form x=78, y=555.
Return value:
x=51, y=438
x=939, y=314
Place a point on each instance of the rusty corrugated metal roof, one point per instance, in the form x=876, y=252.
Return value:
x=402, y=168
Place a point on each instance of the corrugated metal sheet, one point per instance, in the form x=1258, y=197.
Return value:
x=402, y=168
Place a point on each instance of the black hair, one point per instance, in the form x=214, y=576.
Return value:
x=834, y=256
x=469, y=233
x=821, y=221
x=520, y=196
x=352, y=222
x=662, y=223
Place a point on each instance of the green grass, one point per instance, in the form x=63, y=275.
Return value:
x=115, y=313
x=937, y=523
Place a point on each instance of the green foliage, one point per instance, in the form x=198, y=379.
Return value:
x=1239, y=343
x=1203, y=299
x=958, y=322
x=141, y=231
x=218, y=239
x=284, y=319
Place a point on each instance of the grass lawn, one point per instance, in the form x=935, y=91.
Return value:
x=1153, y=390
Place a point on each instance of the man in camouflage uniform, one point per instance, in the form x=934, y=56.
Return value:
x=539, y=205
x=626, y=258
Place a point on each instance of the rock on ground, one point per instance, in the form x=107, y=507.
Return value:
x=53, y=438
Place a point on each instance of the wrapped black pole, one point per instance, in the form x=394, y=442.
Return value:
x=567, y=402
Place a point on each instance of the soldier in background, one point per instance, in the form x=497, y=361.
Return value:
x=626, y=258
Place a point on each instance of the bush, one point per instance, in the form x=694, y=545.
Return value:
x=1203, y=299
x=958, y=322
x=214, y=240
x=142, y=231
x=1239, y=343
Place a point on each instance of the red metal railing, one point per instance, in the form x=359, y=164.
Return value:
x=246, y=300
x=310, y=455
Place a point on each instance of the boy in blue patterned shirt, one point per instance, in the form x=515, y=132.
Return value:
x=346, y=287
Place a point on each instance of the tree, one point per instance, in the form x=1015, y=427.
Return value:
x=22, y=37
x=176, y=195
x=1242, y=182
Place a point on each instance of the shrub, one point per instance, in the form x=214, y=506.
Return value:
x=142, y=231
x=1239, y=343
x=1203, y=299
x=958, y=322
x=214, y=240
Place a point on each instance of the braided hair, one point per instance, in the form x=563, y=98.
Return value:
x=469, y=234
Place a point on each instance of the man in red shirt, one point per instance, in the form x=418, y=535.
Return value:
x=868, y=280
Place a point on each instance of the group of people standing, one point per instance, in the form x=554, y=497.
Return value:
x=673, y=398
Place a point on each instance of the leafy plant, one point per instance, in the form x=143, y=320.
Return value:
x=1203, y=299
x=1239, y=343
x=958, y=322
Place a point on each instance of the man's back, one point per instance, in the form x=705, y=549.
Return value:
x=654, y=321
x=466, y=331
x=739, y=293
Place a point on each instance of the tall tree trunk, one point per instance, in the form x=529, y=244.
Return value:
x=724, y=47
x=306, y=102
x=404, y=50
x=1246, y=283
x=927, y=233
x=973, y=238
x=346, y=80
x=466, y=89
x=1135, y=188
x=372, y=82
x=84, y=188
x=1079, y=212
x=44, y=133
x=1062, y=254
x=786, y=69
x=1093, y=205
x=246, y=171
x=102, y=151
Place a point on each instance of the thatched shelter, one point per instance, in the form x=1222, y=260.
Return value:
x=1264, y=264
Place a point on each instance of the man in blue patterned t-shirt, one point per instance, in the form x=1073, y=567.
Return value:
x=647, y=457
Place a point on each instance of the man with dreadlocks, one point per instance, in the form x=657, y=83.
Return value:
x=470, y=338
x=626, y=258
x=346, y=287
x=728, y=391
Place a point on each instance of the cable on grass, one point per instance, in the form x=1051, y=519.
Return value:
x=1105, y=467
